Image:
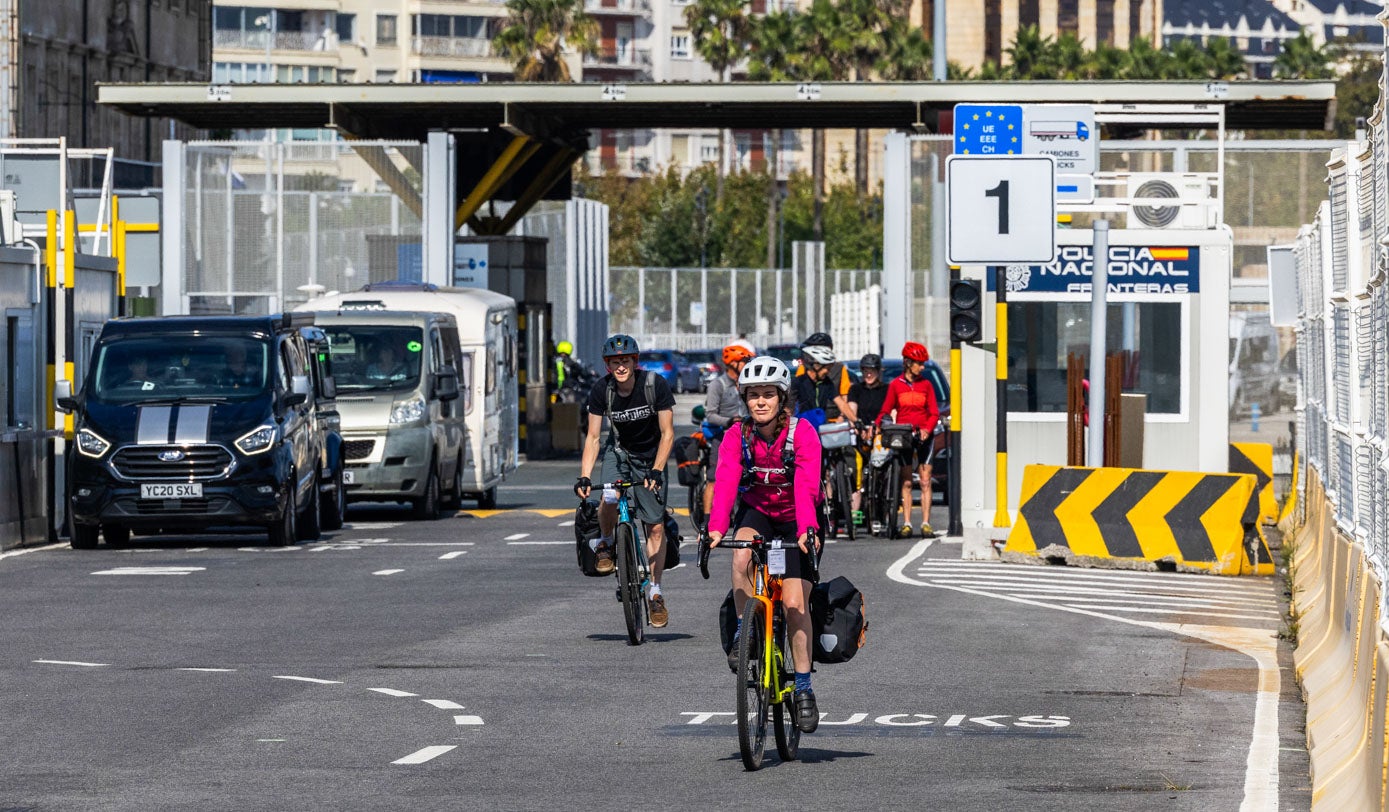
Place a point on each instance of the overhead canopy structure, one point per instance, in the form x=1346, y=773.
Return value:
x=546, y=110
x=517, y=142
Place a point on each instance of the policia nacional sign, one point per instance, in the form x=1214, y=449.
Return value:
x=1132, y=269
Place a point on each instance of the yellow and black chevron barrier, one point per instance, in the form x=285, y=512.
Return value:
x=1257, y=459
x=1089, y=516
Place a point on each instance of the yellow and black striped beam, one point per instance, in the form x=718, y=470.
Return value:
x=1195, y=521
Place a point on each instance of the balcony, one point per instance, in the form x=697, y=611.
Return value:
x=283, y=40
x=617, y=8
x=634, y=59
x=451, y=46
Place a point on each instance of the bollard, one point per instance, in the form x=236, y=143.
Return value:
x=1254, y=414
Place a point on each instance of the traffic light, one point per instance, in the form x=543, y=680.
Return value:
x=966, y=316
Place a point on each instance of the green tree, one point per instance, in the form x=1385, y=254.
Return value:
x=538, y=34
x=1357, y=90
x=1029, y=57
x=1226, y=62
x=907, y=54
x=1302, y=58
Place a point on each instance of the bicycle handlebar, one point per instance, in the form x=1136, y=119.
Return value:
x=756, y=542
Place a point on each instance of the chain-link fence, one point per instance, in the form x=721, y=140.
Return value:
x=698, y=308
x=266, y=219
x=1342, y=338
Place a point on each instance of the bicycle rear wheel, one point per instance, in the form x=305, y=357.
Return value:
x=890, y=496
x=752, y=696
x=629, y=583
x=788, y=733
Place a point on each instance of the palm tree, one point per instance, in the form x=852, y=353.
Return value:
x=1302, y=58
x=1147, y=62
x=1225, y=59
x=538, y=34
x=1106, y=62
x=907, y=54
x=1067, y=57
x=1030, y=57
x=720, y=30
x=1189, y=61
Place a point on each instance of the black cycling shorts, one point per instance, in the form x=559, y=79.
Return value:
x=798, y=564
x=922, y=452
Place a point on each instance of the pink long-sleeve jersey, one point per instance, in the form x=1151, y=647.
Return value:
x=769, y=494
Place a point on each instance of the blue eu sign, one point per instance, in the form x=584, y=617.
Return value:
x=988, y=129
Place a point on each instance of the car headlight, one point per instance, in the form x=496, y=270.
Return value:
x=257, y=440
x=407, y=411
x=91, y=444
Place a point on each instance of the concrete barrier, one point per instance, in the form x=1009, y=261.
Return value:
x=1125, y=517
x=1257, y=459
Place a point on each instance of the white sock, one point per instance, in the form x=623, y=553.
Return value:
x=655, y=590
x=593, y=544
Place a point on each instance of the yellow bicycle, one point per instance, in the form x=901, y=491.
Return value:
x=766, y=675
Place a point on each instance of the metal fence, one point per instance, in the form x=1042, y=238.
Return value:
x=1342, y=339
x=697, y=308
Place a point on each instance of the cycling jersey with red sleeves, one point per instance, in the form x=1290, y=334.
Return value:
x=914, y=402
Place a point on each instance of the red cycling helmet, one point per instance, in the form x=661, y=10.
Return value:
x=734, y=353
x=913, y=351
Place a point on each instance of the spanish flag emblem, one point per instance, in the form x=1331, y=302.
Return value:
x=1170, y=254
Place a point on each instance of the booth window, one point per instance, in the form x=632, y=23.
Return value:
x=1040, y=334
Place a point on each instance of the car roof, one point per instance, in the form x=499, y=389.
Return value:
x=194, y=325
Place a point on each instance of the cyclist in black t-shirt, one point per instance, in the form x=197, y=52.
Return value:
x=867, y=396
x=640, y=406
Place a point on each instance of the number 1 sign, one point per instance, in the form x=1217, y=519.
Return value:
x=1000, y=209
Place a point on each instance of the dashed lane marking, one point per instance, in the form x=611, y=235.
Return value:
x=150, y=571
x=387, y=572
x=426, y=754
x=391, y=692
x=72, y=662
x=452, y=555
x=309, y=679
x=535, y=543
x=443, y=704
x=209, y=670
x=516, y=536
x=467, y=720
x=569, y=523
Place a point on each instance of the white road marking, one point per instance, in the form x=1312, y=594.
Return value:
x=443, y=704
x=538, y=543
x=387, y=572
x=27, y=550
x=1135, y=590
x=432, y=543
x=197, y=549
x=212, y=670
x=467, y=720
x=1131, y=596
x=150, y=571
x=391, y=692
x=1260, y=645
x=1183, y=580
x=569, y=523
x=372, y=525
x=72, y=662
x=1154, y=610
x=310, y=679
x=452, y=555
x=516, y=537
x=426, y=754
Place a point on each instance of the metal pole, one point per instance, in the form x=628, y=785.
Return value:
x=776, y=323
x=1099, y=290
x=732, y=303
x=703, y=305
x=279, y=302
x=795, y=296
x=641, y=302
x=757, y=303
x=1001, y=517
x=313, y=238
x=674, y=320
x=952, y=486
x=938, y=40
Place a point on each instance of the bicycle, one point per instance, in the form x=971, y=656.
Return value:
x=896, y=439
x=837, y=440
x=697, y=515
x=766, y=673
x=633, y=570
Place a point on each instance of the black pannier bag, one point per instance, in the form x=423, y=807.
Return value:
x=838, y=623
x=585, y=530
x=728, y=623
x=672, y=541
x=686, y=452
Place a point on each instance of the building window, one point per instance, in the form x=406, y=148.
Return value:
x=1068, y=17
x=708, y=149
x=1028, y=13
x=680, y=45
x=1104, y=21
x=346, y=27
x=386, y=31
x=347, y=75
x=385, y=76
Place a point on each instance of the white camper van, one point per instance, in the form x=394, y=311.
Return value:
x=488, y=380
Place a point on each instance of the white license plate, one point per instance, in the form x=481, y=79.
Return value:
x=348, y=478
x=180, y=490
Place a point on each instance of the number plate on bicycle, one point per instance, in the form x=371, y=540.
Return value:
x=776, y=559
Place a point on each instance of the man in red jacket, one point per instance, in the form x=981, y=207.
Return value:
x=911, y=400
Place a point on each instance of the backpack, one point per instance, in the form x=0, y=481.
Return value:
x=838, y=625
x=673, y=539
x=585, y=530
x=687, y=453
x=788, y=454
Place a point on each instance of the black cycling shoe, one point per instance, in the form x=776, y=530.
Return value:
x=807, y=714
x=733, y=657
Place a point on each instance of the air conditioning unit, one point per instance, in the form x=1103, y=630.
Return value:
x=1192, y=205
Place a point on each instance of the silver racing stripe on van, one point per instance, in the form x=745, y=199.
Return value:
x=193, y=422
x=152, y=425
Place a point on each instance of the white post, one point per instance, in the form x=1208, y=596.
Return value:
x=641, y=301
x=1099, y=290
x=757, y=303
x=732, y=303
x=278, y=303
x=776, y=323
x=313, y=238
x=440, y=200
x=173, y=230
x=704, y=306
x=674, y=317
x=896, y=237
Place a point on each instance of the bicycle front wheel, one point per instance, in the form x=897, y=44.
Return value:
x=788, y=733
x=890, y=497
x=629, y=583
x=752, y=692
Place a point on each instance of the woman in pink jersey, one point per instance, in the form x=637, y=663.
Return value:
x=766, y=496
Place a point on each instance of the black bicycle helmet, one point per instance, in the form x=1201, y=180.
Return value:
x=871, y=361
x=818, y=340
x=620, y=344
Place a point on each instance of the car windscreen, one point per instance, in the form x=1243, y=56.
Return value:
x=701, y=356
x=144, y=368
x=652, y=357
x=375, y=357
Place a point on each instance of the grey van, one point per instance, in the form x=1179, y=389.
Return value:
x=397, y=395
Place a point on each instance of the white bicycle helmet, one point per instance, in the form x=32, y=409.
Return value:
x=817, y=354
x=764, y=370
